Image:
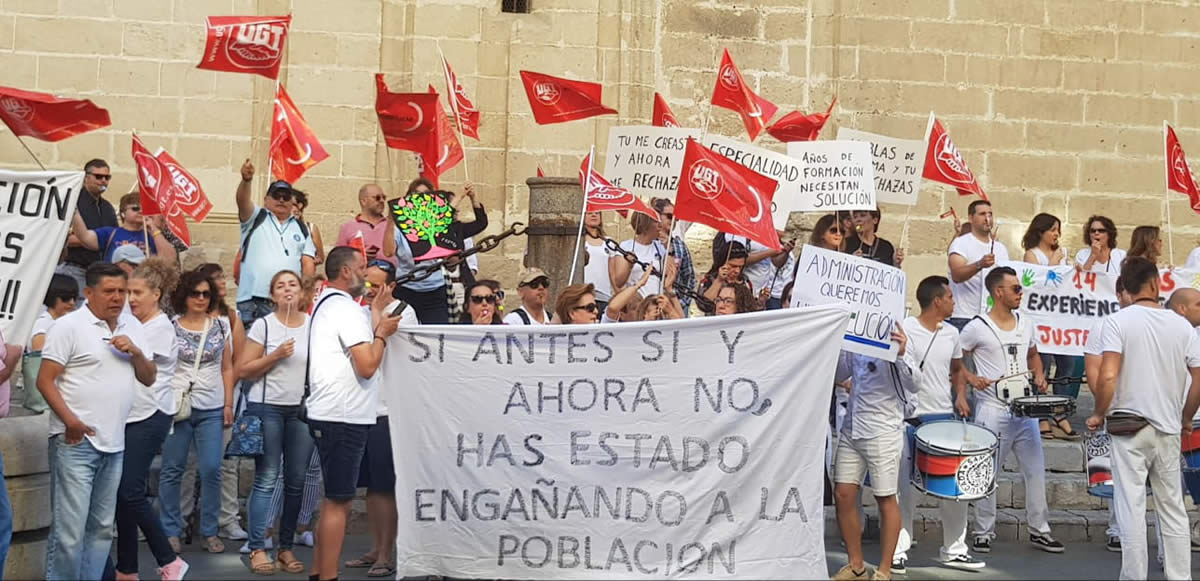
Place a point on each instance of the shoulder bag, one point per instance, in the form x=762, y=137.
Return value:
x=183, y=397
x=247, y=436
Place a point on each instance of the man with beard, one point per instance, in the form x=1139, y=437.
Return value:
x=345, y=350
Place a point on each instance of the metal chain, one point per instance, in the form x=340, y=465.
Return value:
x=426, y=269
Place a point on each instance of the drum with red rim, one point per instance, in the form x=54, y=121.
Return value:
x=954, y=460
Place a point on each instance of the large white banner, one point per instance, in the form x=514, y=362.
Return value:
x=652, y=450
x=898, y=163
x=35, y=215
x=873, y=291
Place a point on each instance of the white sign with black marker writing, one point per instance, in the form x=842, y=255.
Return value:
x=874, y=292
x=898, y=163
x=656, y=450
x=36, y=209
x=783, y=169
x=646, y=160
x=837, y=175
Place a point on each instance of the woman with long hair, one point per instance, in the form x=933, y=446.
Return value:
x=1146, y=242
x=827, y=233
x=595, y=257
x=1100, y=252
x=274, y=360
x=734, y=299
x=481, y=306
x=1041, y=241
x=576, y=305
x=204, y=376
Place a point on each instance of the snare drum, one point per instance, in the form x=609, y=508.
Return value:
x=1043, y=406
x=954, y=460
x=1099, y=464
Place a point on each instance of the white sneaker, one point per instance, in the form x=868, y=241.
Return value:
x=305, y=538
x=233, y=532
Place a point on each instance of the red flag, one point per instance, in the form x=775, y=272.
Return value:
x=556, y=100
x=1179, y=173
x=732, y=92
x=443, y=151
x=407, y=119
x=155, y=190
x=663, y=117
x=294, y=146
x=601, y=195
x=796, y=126
x=726, y=195
x=245, y=44
x=944, y=164
x=49, y=118
x=464, y=110
x=541, y=174
x=184, y=189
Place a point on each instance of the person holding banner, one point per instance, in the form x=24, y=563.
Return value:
x=534, y=290
x=481, y=304
x=1146, y=242
x=871, y=440
x=1005, y=354
x=576, y=305
x=1101, y=253
x=970, y=255
x=934, y=352
x=863, y=241
x=1149, y=352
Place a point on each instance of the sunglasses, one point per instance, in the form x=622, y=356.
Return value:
x=200, y=294
x=1098, y=230
x=281, y=195
x=480, y=299
x=1016, y=288
x=590, y=307
x=538, y=283
x=134, y=208
x=101, y=176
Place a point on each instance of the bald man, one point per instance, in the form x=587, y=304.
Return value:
x=371, y=222
x=1186, y=302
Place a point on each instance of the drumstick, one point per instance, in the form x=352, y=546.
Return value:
x=998, y=380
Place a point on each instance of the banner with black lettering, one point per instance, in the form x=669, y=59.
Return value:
x=656, y=450
x=35, y=215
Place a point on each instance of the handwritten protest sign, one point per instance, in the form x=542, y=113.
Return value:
x=633, y=451
x=783, y=169
x=646, y=160
x=836, y=175
x=898, y=165
x=35, y=214
x=874, y=292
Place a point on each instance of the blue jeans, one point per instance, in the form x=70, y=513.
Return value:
x=430, y=306
x=285, y=439
x=1064, y=366
x=205, y=427
x=253, y=309
x=774, y=303
x=143, y=440
x=83, y=498
x=6, y=519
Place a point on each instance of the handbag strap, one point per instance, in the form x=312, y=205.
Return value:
x=308, y=358
x=199, y=354
x=267, y=341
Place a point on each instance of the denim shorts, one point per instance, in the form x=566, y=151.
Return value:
x=340, y=447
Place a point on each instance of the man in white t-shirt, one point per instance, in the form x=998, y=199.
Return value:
x=345, y=350
x=534, y=288
x=1005, y=356
x=1149, y=353
x=92, y=362
x=970, y=255
x=935, y=357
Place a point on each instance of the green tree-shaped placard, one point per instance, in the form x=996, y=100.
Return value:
x=423, y=216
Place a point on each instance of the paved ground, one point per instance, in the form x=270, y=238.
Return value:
x=1006, y=561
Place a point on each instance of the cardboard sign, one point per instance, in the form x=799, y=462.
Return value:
x=646, y=160
x=898, y=165
x=837, y=175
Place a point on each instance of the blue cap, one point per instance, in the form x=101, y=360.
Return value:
x=279, y=185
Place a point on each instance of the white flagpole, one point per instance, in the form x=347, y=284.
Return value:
x=587, y=179
x=1167, y=201
x=453, y=96
x=271, y=125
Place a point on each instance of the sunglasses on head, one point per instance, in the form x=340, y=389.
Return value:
x=538, y=283
x=200, y=294
x=590, y=307
x=480, y=299
x=381, y=265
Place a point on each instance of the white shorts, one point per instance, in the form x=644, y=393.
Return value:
x=879, y=455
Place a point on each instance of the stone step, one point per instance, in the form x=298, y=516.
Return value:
x=1068, y=526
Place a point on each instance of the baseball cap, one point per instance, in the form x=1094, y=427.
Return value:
x=128, y=253
x=279, y=185
x=531, y=274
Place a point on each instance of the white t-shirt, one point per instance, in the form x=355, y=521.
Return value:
x=41, y=325
x=97, y=382
x=207, y=383
x=1115, y=258
x=652, y=254
x=285, y=380
x=929, y=354
x=338, y=394
x=968, y=294
x=1044, y=260
x=595, y=272
x=1193, y=259
x=983, y=339
x=515, y=319
x=1157, y=347
x=160, y=335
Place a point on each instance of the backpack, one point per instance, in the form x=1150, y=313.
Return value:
x=259, y=218
x=520, y=312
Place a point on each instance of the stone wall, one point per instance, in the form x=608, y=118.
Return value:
x=1056, y=104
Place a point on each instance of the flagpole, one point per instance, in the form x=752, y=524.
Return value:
x=29, y=151
x=904, y=230
x=1170, y=238
x=587, y=178
x=453, y=96
x=146, y=235
x=708, y=109
x=271, y=125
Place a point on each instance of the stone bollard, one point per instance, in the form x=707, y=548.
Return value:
x=24, y=446
x=554, y=206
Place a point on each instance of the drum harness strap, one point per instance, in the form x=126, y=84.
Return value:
x=1012, y=349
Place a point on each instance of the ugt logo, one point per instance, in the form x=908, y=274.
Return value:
x=546, y=92
x=729, y=77
x=705, y=180
x=256, y=45
x=950, y=162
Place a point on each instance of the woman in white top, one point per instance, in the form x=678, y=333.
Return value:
x=1101, y=253
x=1146, y=243
x=595, y=261
x=149, y=419
x=1041, y=241
x=60, y=300
x=204, y=375
x=273, y=363
x=648, y=249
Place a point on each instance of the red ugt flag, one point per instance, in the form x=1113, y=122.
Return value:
x=663, y=116
x=731, y=92
x=462, y=107
x=600, y=195
x=407, y=119
x=294, y=146
x=443, y=151
x=796, y=126
x=49, y=118
x=944, y=164
x=184, y=189
x=1179, y=173
x=726, y=195
x=155, y=191
x=555, y=100
x=245, y=44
